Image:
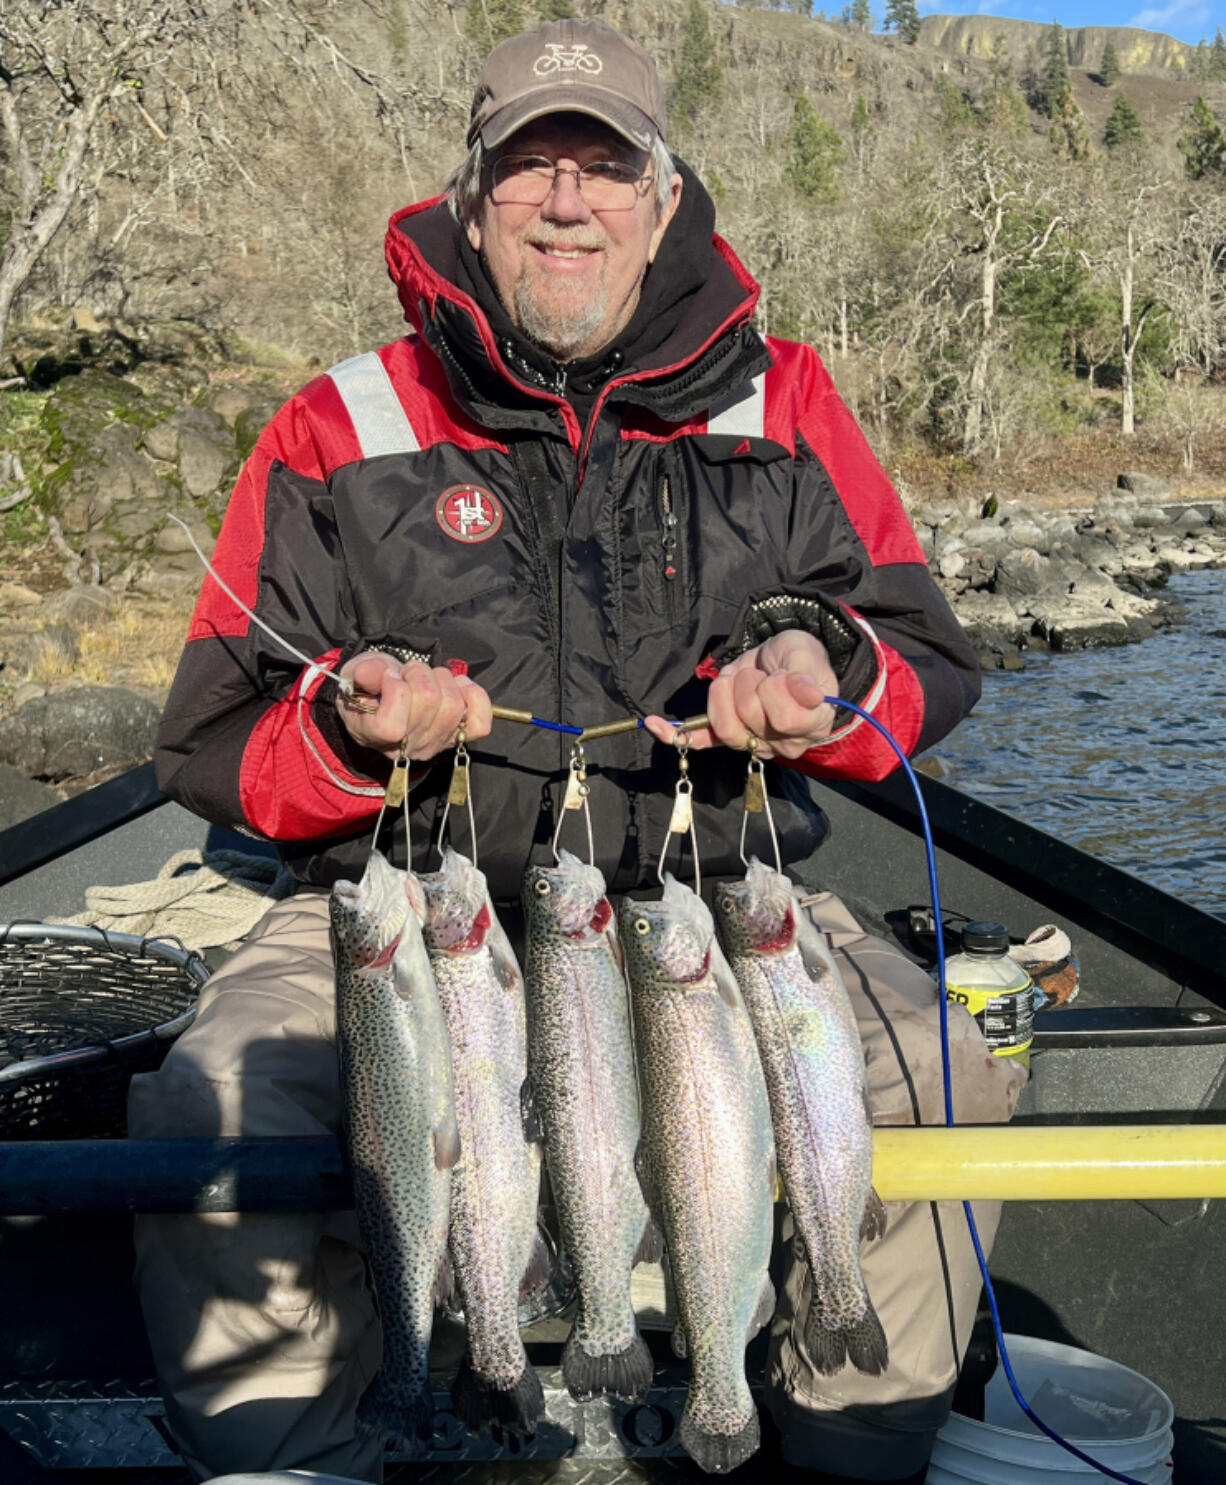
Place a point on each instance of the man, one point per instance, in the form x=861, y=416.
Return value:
x=585, y=487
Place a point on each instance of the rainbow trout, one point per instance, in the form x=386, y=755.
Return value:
x=495, y=1186
x=709, y=1157
x=810, y=1048
x=581, y=1064
x=399, y=1129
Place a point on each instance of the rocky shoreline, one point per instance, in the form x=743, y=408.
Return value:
x=127, y=451
x=1021, y=579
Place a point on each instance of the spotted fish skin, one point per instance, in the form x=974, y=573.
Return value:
x=399, y=1129
x=710, y=1159
x=814, y=1064
x=495, y=1186
x=581, y=1065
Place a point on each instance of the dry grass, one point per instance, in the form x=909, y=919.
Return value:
x=138, y=646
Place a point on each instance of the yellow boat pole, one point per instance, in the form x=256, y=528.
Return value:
x=1049, y=1163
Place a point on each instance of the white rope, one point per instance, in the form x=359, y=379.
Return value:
x=204, y=899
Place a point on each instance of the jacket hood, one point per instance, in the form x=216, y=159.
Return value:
x=695, y=293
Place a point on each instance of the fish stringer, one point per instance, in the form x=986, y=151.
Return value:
x=681, y=821
x=459, y=792
x=576, y=798
x=396, y=795
x=757, y=802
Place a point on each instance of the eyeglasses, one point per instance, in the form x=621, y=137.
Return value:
x=528, y=180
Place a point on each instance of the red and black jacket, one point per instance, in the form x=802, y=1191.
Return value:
x=439, y=496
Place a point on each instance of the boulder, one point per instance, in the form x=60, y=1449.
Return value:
x=1189, y=522
x=80, y=606
x=206, y=451
x=162, y=441
x=990, y=620
x=1021, y=574
x=21, y=797
x=18, y=596
x=1145, y=485
x=1071, y=623
x=68, y=734
x=54, y=646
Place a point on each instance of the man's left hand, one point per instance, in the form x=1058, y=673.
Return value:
x=773, y=694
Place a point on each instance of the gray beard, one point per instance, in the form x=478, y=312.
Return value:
x=561, y=335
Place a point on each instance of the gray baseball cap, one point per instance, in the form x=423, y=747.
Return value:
x=570, y=66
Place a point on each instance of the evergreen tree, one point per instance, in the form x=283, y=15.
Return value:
x=859, y=15
x=955, y=111
x=1217, y=57
x=1069, y=134
x=1202, y=144
x=815, y=152
x=699, y=76
x=1109, y=67
x=1123, y=126
x=1055, y=87
x=902, y=16
x=555, y=10
x=1198, y=68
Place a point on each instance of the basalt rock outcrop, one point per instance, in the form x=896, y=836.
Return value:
x=1024, y=578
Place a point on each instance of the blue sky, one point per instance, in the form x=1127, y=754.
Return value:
x=1188, y=20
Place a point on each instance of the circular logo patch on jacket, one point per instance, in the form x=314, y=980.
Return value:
x=468, y=513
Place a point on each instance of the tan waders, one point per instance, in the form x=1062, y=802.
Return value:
x=263, y=1329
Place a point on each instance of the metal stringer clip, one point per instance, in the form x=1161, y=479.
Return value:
x=459, y=792
x=396, y=795
x=576, y=798
x=757, y=802
x=681, y=822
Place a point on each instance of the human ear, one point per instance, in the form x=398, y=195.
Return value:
x=667, y=212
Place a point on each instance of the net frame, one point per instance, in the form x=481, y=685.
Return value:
x=81, y=1011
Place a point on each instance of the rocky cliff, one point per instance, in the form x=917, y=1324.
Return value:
x=976, y=35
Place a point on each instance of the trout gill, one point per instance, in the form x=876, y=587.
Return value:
x=709, y=1156
x=495, y=1187
x=399, y=1129
x=814, y=1065
x=581, y=1066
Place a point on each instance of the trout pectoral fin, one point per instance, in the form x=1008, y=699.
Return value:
x=874, y=1217
x=651, y=1244
x=529, y=1114
x=446, y=1145
x=540, y=1266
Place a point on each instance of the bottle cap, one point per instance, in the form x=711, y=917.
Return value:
x=985, y=938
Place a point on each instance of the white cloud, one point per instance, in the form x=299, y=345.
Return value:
x=1178, y=12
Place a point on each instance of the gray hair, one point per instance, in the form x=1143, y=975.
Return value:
x=463, y=185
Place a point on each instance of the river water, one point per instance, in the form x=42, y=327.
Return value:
x=1121, y=751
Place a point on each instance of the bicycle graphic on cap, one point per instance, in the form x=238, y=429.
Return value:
x=567, y=59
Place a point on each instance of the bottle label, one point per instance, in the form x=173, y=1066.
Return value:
x=1006, y=1017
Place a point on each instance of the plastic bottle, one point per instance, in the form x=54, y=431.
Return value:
x=995, y=989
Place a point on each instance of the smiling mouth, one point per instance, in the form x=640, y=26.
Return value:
x=549, y=250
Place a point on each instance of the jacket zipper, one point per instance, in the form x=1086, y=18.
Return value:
x=668, y=544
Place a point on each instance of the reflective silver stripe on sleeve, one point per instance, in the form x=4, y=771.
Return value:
x=379, y=420
x=743, y=414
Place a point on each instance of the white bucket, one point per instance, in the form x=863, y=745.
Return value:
x=1114, y=1415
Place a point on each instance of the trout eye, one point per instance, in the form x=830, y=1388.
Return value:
x=543, y=888
x=726, y=904
x=642, y=927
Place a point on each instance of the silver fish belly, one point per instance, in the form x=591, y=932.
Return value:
x=710, y=1159
x=495, y=1185
x=399, y=1129
x=814, y=1065
x=581, y=1067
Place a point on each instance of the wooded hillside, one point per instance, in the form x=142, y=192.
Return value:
x=999, y=255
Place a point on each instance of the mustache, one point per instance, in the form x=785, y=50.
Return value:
x=542, y=235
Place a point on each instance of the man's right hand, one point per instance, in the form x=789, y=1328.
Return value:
x=419, y=707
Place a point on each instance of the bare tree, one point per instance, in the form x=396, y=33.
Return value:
x=1127, y=227
x=999, y=216
x=1192, y=278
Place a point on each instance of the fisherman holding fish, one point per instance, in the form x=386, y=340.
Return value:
x=585, y=486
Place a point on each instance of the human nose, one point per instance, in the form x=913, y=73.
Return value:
x=565, y=200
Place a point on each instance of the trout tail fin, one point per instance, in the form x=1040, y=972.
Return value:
x=624, y=1374
x=479, y=1405
x=863, y=1343
x=717, y=1453
x=404, y=1420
